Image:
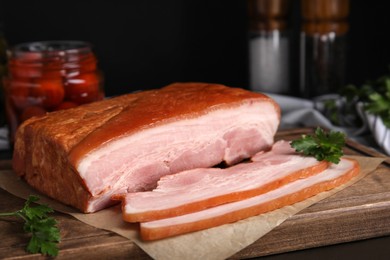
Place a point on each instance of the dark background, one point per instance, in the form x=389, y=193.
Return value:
x=143, y=44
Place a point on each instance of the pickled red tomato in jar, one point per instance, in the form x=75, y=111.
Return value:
x=48, y=76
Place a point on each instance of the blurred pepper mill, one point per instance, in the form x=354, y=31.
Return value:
x=323, y=46
x=48, y=76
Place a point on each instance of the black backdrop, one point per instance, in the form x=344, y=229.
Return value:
x=143, y=44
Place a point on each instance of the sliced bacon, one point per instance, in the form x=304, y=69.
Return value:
x=288, y=194
x=201, y=188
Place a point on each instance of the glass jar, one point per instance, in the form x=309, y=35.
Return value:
x=323, y=46
x=3, y=69
x=48, y=76
x=269, y=46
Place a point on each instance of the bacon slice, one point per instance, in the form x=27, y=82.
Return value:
x=288, y=194
x=198, y=189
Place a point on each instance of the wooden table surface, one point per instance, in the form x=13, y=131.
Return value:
x=361, y=211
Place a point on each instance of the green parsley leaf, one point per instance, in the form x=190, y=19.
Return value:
x=44, y=232
x=321, y=145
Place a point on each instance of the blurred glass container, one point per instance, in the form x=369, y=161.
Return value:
x=323, y=46
x=3, y=69
x=48, y=76
x=269, y=46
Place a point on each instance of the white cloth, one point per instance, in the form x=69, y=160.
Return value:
x=299, y=112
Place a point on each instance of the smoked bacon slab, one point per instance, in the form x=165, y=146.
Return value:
x=84, y=155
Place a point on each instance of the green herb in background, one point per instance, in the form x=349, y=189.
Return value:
x=379, y=102
x=44, y=233
x=321, y=145
x=332, y=111
x=375, y=96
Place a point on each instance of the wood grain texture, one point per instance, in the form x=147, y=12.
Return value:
x=358, y=212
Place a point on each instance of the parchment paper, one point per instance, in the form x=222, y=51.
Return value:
x=215, y=243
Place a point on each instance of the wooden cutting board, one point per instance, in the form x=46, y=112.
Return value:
x=358, y=212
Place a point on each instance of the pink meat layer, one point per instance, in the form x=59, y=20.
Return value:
x=231, y=212
x=198, y=189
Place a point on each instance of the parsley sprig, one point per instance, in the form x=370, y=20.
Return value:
x=44, y=233
x=322, y=145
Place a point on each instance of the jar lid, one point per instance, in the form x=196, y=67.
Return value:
x=46, y=49
x=325, y=10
